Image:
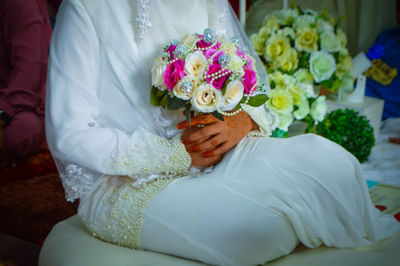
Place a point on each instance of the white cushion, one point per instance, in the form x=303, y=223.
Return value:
x=70, y=244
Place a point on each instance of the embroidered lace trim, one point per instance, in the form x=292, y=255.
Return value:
x=150, y=157
x=143, y=18
x=264, y=120
x=77, y=182
x=119, y=220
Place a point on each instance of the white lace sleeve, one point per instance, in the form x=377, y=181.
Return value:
x=263, y=118
x=147, y=154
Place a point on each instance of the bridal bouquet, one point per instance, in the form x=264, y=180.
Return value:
x=304, y=50
x=207, y=74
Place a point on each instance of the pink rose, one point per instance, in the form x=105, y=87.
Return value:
x=219, y=82
x=249, y=80
x=209, y=52
x=204, y=44
x=249, y=65
x=174, y=72
x=171, y=50
x=242, y=54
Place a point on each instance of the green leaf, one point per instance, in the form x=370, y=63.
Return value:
x=154, y=100
x=174, y=103
x=224, y=88
x=304, y=60
x=272, y=84
x=188, y=107
x=160, y=94
x=163, y=101
x=257, y=100
x=218, y=115
x=279, y=133
x=327, y=84
x=336, y=56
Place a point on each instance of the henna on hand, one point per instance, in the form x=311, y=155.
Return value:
x=216, y=137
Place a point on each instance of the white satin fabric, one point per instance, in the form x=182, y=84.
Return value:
x=265, y=196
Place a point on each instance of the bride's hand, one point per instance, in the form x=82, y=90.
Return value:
x=217, y=137
x=197, y=157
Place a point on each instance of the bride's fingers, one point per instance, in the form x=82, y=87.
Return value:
x=189, y=131
x=203, y=119
x=191, y=114
x=205, y=162
x=208, y=145
x=202, y=133
x=218, y=151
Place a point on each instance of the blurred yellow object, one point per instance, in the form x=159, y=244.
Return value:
x=381, y=72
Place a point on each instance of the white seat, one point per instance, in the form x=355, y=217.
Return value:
x=69, y=244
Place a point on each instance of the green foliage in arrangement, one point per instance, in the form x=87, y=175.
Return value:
x=349, y=129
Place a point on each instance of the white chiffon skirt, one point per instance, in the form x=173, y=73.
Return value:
x=265, y=197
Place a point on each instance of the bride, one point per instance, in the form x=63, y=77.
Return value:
x=141, y=181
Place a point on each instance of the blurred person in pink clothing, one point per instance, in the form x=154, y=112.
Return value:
x=25, y=32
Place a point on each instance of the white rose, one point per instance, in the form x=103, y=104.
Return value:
x=347, y=83
x=157, y=74
x=229, y=47
x=282, y=81
x=270, y=24
x=329, y=42
x=342, y=37
x=276, y=45
x=343, y=51
x=288, y=32
x=257, y=43
x=323, y=26
x=185, y=87
x=303, y=21
x=308, y=90
x=285, y=120
x=280, y=101
x=289, y=61
x=236, y=65
x=309, y=11
x=322, y=65
x=233, y=95
x=303, y=76
x=273, y=117
x=286, y=16
x=190, y=41
x=318, y=109
x=303, y=109
x=206, y=98
x=195, y=64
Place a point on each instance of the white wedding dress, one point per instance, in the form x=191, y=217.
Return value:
x=125, y=162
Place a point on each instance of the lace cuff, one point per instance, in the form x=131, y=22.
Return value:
x=151, y=157
x=263, y=118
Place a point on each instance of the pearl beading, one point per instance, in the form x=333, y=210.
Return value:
x=252, y=90
x=143, y=18
x=216, y=75
x=151, y=157
x=119, y=219
x=205, y=48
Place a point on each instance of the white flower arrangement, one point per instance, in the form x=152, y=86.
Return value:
x=302, y=50
x=293, y=98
